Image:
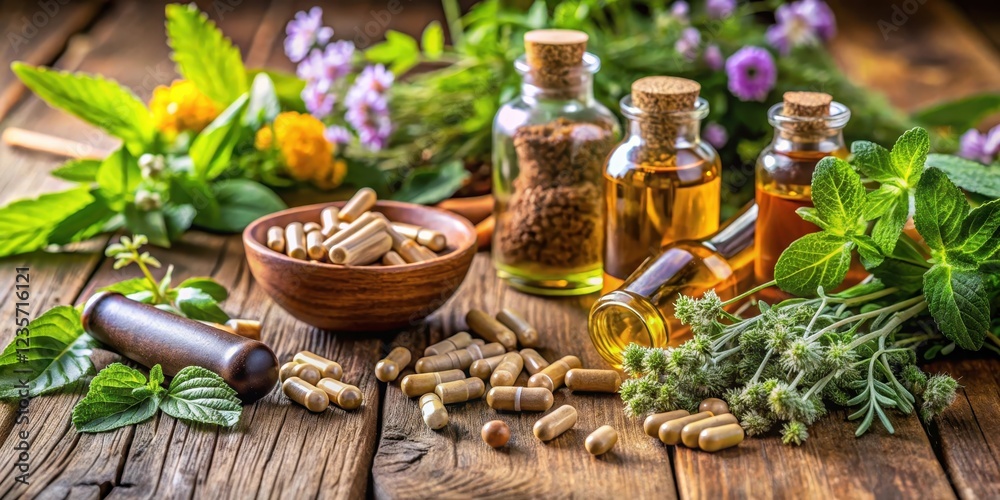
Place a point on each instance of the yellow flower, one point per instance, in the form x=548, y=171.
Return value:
x=181, y=107
x=306, y=153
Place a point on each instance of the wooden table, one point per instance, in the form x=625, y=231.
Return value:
x=384, y=449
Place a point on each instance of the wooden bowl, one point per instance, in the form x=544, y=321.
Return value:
x=362, y=298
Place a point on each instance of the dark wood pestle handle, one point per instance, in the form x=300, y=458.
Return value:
x=150, y=336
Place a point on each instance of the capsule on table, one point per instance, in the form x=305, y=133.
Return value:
x=248, y=328
x=287, y=370
x=691, y=432
x=460, y=391
x=533, y=362
x=490, y=329
x=714, y=405
x=554, y=424
x=526, y=334
x=295, y=241
x=388, y=369
x=327, y=368
x=519, y=399
x=361, y=202
x=341, y=394
x=329, y=219
x=309, y=227
x=276, y=238
x=305, y=394
x=305, y=372
x=670, y=431
x=433, y=411
x=552, y=376
x=581, y=380
x=720, y=438
x=461, y=359
x=602, y=440
x=418, y=384
x=314, y=245
x=653, y=422
x=496, y=433
x=460, y=340
x=507, y=371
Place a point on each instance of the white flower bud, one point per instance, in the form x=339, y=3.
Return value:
x=151, y=165
x=147, y=200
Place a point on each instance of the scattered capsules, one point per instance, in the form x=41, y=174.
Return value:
x=653, y=422
x=305, y=394
x=720, y=438
x=581, y=380
x=418, y=384
x=483, y=368
x=388, y=369
x=507, y=371
x=554, y=424
x=343, y=395
x=496, y=433
x=602, y=440
x=460, y=340
x=461, y=359
x=303, y=371
x=286, y=370
x=691, y=432
x=433, y=411
x=526, y=334
x=552, y=376
x=490, y=329
x=276, y=239
x=714, y=405
x=533, y=362
x=670, y=431
x=460, y=391
x=327, y=368
x=519, y=399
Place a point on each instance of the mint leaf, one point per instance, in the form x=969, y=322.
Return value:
x=941, y=208
x=815, y=260
x=212, y=151
x=204, y=55
x=118, y=178
x=263, y=105
x=910, y=153
x=26, y=224
x=198, y=395
x=967, y=174
x=208, y=285
x=871, y=255
x=240, y=202
x=103, y=103
x=128, y=287
x=880, y=201
x=809, y=214
x=890, y=224
x=874, y=161
x=89, y=221
x=957, y=301
x=148, y=222
x=118, y=396
x=198, y=305
x=80, y=170
x=838, y=196
x=427, y=185
x=902, y=274
x=287, y=87
x=178, y=219
x=980, y=233
x=433, y=40
x=57, y=350
x=399, y=51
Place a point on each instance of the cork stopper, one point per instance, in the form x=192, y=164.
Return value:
x=806, y=105
x=555, y=57
x=665, y=94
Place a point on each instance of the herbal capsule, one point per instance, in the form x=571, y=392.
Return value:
x=305, y=372
x=329, y=218
x=343, y=395
x=602, y=440
x=714, y=405
x=460, y=391
x=392, y=259
x=720, y=438
x=327, y=368
x=553, y=375
x=434, y=413
x=670, y=431
x=287, y=370
x=580, y=380
x=408, y=249
x=519, y=399
x=483, y=368
x=295, y=241
x=364, y=247
x=552, y=425
x=388, y=369
x=460, y=359
x=533, y=362
x=314, y=245
x=305, y=394
x=490, y=329
x=507, y=371
x=426, y=253
x=495, y=433
x=429, y=238
x=361, y=202
x=224, y=328
x=460, y=340
x=527, y=336
x=245, y=328
x=348, y=230
x=654, y=421
x=276, y=238
x=690, y=432
x=309, y=227
x=418, y=384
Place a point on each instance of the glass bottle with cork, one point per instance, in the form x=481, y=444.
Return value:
x=662, y=182
x=641, y=311
x=808, y=126
x=549, y=145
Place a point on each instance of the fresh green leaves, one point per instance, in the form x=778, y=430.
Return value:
x=815, y=260
x=969, y=175
x=80, y=170
x=27, y=224
x=431, y=185
x=399, y=51
x=54, y=354
x=941, y=208
x=117, y=178
x=212, y=150
x=121, y=396
x=957, y=300
x=240, y=202
x=204, y=55
x=433, y=40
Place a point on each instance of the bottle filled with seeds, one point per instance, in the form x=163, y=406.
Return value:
x=662, y=183
x=549, y=145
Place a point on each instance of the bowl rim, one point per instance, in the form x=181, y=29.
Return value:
x=250, y=241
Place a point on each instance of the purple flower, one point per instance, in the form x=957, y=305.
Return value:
x=375, y=78
x=368, y=114
x=751, y=73
x=980, y=147
x=680, y=10
x=304, y=32
x=325, y=66
x=687, y=44
x=807, y=22
x=715, y=134
x=337, y=134
x=713, y=57
x=720, y=9
x=318, y=100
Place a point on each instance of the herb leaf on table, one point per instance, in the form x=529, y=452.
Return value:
x=118, y=396
x=199, y=395
x=57, y=354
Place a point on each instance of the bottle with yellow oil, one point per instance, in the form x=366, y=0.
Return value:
x=662, y=182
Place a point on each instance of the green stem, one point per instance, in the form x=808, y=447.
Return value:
x=870, y=314
x=869, y=297
x=149, y=277
x=749, y=293
x=896, y=320
x=453, y=19
x=760, y=370
x=818, y=386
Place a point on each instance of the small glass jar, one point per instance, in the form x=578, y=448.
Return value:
x=549, y=145
x=641, y=311
x=662, y=182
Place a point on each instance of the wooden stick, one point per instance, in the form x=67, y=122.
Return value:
x=45, y=143
x=475, y=208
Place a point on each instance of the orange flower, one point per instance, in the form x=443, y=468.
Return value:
x=181, y=107
x=306, y=153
